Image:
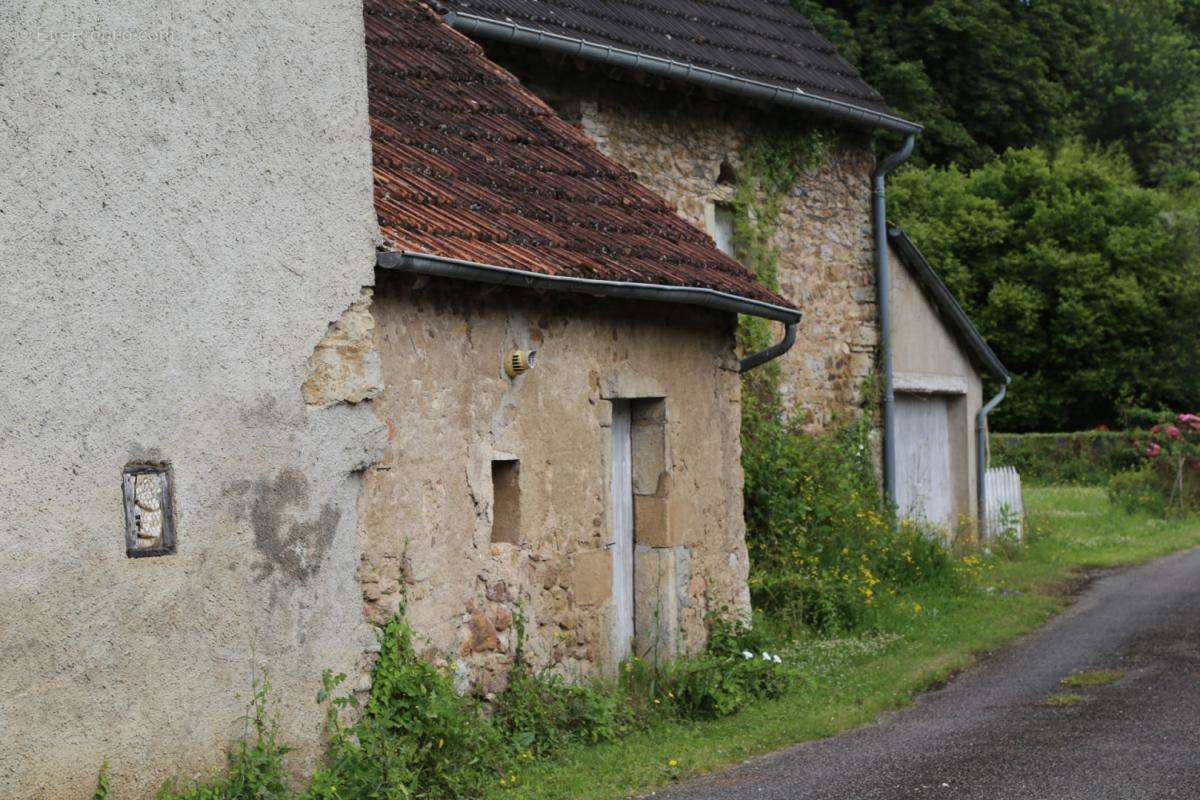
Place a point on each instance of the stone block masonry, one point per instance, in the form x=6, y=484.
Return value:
x=686, y=148
x=451, y=413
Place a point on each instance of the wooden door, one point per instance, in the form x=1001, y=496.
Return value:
x=622, y=529
x=924, y=488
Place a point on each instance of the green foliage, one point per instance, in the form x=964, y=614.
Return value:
x=539, y=714
x=822, y=550
x=1168, y=482
x=1087, y=458
x=735, y=670
x=256, y=769
x=416, y=736
x=1139, y=490
x=1142, y=87
x=981, y=75
x=769, y=164
x=102, y=788
x=1074, y=274
x=984, y=76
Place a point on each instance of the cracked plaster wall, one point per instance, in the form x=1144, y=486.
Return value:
x=186, y=208
x=450, y=410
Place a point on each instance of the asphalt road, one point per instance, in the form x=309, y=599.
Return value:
x=987, y=735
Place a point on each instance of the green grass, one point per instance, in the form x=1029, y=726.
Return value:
x=1093, y=677
x=1063, y=700
x=921, y=638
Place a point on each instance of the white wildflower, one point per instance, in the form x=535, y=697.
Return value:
x=766, y=656
x=777, y=659
x=746, y=654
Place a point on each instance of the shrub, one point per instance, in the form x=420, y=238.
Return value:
x=416, y=736
x=734, y=670
x=822, y=545
x=1169, y=478
x=541, y=713
x=1088, y=458
x=1138, y=490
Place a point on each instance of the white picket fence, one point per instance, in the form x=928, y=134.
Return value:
x=1005, y=508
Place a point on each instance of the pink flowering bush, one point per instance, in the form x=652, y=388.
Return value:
x=1169, y=479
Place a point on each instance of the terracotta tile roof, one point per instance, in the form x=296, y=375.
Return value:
x=763, y=40
x=469, y=165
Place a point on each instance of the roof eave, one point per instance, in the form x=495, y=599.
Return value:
x=440, y=266
x=484, y=27
x=940, y=294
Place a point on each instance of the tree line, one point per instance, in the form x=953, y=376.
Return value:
x=1056, y=186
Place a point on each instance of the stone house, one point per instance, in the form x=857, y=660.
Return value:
x=596, y=493
x=316, y=327
x=678, y=90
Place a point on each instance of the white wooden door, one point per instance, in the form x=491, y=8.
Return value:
x=924, y=489
x=622, y=530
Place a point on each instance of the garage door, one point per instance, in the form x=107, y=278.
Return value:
x=923, y=485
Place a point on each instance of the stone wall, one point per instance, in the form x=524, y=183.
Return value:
x=677, y=144
x=451, y=412
x=186, y=209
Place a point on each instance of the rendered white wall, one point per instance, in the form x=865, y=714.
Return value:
x=186, y=207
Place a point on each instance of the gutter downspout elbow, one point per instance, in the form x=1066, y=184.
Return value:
x=774, y=351
x=883, y=284
x=981, y=455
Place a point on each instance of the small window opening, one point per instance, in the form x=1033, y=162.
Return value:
x=149, y=514
x=506, y=501
x=723, y=228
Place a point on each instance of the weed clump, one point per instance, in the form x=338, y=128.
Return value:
x=1093, y=677
x=824, y=548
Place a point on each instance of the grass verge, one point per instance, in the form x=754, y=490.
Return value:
x=920, y=639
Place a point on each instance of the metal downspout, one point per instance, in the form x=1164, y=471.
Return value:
x=981, y=455
x=883, y=283
x=774, y=351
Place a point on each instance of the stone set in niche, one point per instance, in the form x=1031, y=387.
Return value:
x=148, y=520
x=148, y=516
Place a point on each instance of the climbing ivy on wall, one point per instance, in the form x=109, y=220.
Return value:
x=823, y=545
x=770, y=161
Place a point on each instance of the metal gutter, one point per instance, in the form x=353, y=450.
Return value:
x=883, y=283
x=981, y=453
x=442, y=267
x=483, y=27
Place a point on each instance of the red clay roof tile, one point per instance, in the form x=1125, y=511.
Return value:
x=469, y=165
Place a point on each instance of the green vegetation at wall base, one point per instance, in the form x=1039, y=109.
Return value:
x=850, y=680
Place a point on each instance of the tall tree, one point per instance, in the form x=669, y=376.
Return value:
x=1074, y=273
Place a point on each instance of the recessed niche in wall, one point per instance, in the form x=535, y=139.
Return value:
x=506, y=501
x=722, y=228
x=149, y=514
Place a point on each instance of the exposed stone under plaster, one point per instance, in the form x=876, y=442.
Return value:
x=450, y=411
x=676, y=145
